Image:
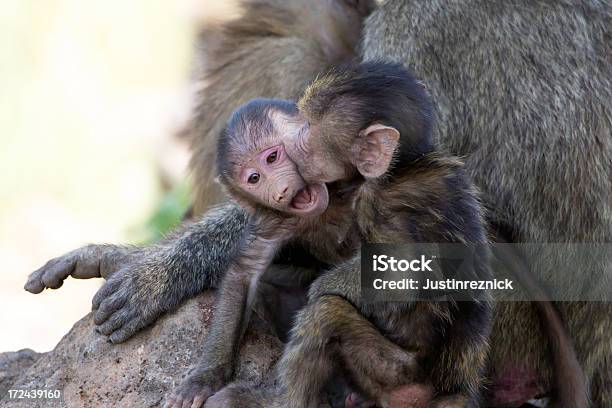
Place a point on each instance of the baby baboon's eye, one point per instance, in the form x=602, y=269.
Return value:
x=253, y=178
x=272, y=157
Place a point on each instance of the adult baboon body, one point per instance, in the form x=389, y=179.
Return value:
x=523, y=92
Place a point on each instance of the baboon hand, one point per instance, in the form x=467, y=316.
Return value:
x=91, y=261
x=193, y=391
x=124, y=304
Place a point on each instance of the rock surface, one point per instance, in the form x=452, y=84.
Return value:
x=12, y=365
x=91, y=372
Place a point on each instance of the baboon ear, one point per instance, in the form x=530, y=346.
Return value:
x=378, y=142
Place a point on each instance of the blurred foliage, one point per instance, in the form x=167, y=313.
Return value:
x=170, y=211
x=91, y=94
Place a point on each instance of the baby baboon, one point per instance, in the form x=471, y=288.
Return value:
x=348, y=132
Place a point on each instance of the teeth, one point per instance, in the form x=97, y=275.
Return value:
x=303, y=198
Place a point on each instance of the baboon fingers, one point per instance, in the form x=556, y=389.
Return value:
x=51, y=275
x=82, y=263
x=113, y=323
x=129, y=329
x=128, y=316
x=190, y=394
x=109, y=306
x=34, y=283
x=106, y=290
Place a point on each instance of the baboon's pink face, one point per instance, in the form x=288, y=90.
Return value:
x=272, y=178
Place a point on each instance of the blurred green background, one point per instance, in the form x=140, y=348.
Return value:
x=92, y=98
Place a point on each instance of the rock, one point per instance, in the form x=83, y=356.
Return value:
x=139, y=373
x=13, y=364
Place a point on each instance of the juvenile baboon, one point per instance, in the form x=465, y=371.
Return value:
x=522, y=91
x=348, y=131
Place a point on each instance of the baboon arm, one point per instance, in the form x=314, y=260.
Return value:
x=388, y=367
x=235, y=300
x=230, y=319
x=216, y=366
x=90, y=261
x=145, y=282
x=192, y=259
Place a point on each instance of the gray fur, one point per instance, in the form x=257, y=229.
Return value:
x=143, y=283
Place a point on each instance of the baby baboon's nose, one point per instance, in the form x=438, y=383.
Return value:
x=280, y=196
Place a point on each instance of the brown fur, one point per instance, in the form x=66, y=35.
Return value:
x=331, y=332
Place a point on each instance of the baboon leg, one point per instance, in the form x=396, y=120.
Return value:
x=330, y=333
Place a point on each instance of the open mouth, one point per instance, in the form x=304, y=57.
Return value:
x=311, y=200
x=305, y=198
